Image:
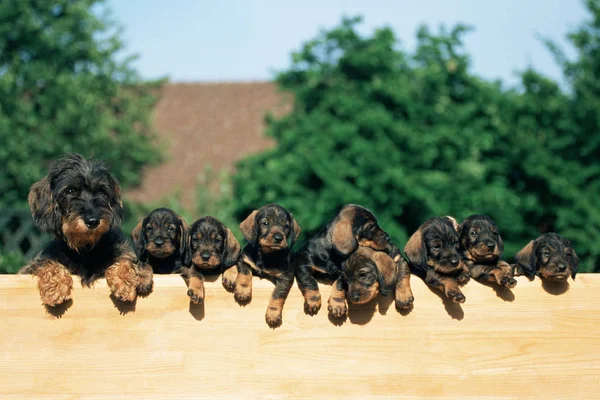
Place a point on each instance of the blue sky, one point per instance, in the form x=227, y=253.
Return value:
x=237, y=40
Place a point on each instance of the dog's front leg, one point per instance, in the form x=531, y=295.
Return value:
x=122, y=278
x=195, y=284
x=145, y=279
x=243, y=281
x=283, y=284
x=446, y=284
x=337, y=300
x=54, y=281
x=403, y=294
x=309, y=287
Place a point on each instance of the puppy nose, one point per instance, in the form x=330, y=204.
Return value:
x=491, y=245
x=278, y=237
x=355, y=297
x=454, y=262
x=205, y=255
x=92, y=222
x=561, y=267
x=387, y=238
x=159, y=242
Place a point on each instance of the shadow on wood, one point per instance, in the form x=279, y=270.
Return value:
x=539, y=345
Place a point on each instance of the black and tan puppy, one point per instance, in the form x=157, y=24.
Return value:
x=551, y=257
x=323, y=255
x=363, y=276
x=79, y=203
x=482, y=247
x=212, y=249
x=271, y=231
x=433, y=254
x=159, y=240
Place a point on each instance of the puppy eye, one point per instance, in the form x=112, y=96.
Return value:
x=195, y=240
x=264, y=223
x=218, y=240
x=362, y=274
x=148, y=229
x=170, y=229
x=70, y=192
x=473, y=233
x=546, y=253
x=436, y=248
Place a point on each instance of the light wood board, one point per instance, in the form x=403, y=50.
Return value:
x=529, y=343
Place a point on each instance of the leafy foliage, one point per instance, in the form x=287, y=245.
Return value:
x=413, y=135
x=62, y=89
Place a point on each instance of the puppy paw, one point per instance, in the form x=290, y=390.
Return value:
x=145, y=280
x=55, y=284
x=508, y=281
x=122, y=279
x=228, y=278
x=456, y=296
x=312, y=303
x=273, y=316
x=196, y=295
x=337, y=307
x=404, y=299
x=243, y=293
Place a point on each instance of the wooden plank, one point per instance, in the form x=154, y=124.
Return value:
x=529, y=344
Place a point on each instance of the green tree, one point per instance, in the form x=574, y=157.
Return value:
x=64, y=86
x=413, y=135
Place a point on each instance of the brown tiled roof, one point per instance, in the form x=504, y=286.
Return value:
x=204, y=124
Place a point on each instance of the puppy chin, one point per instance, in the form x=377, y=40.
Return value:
x=269, y=247
x=79, y=237
x=447, y=269
x=365, y=296
x=213, y=262
x=160, y=252
x=555, y=277
x=483, y=256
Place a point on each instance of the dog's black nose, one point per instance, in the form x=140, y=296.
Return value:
x=387, y=238
x=205, y=255
x=454, y=262
x=561, y=267
x=355, y=297
x=92, y=222
x=159, y=242
x=278, y=237
x=491, y=245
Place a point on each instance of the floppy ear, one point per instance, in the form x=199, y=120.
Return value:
x=232, y=250
x=295, y=232
x=574, y=263
x=249, y=228
x=115, y=203
x=387, y=272
x=43, y=208
x=139, y=241
x=183, y=239
x=415, y=250
x=341, y=236
x=186, y=254
x=526, y=259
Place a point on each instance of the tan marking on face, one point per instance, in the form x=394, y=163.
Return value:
x=79, y=237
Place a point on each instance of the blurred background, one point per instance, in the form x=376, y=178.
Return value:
x=411, y=109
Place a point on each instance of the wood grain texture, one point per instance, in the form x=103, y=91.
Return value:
x=528, y=343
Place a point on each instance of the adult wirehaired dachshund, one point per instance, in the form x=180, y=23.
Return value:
x=79, y=203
